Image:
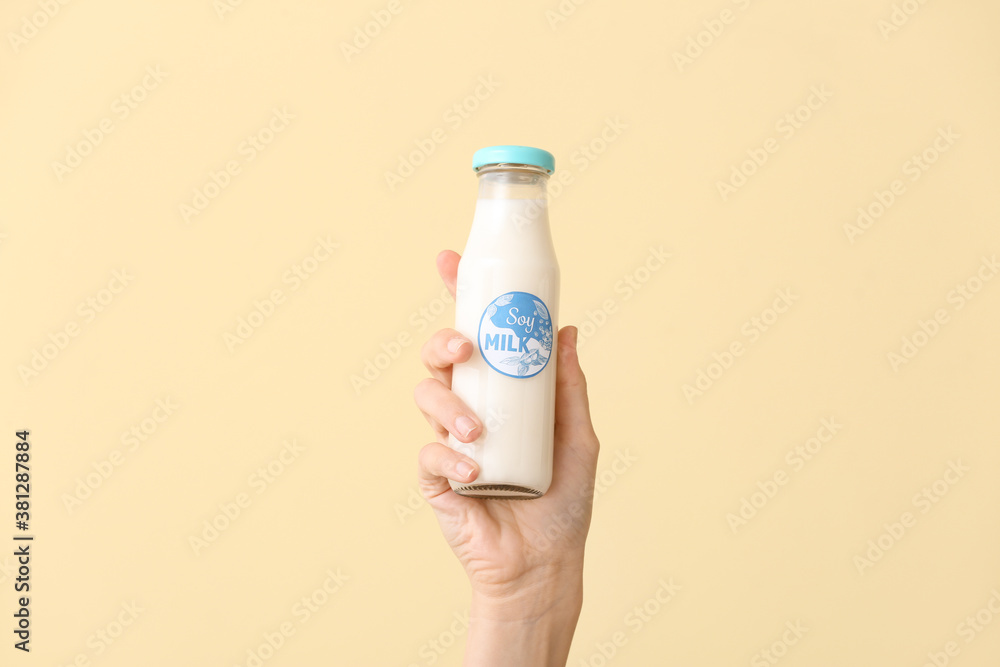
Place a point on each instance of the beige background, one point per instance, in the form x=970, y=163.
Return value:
x=340, y=501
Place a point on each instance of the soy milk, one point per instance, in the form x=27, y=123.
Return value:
x=507, y=303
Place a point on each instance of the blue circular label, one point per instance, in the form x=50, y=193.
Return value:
x=515, y=335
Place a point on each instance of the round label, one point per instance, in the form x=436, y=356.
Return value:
x=515, y=335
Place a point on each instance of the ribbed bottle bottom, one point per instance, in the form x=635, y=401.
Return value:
x=498, y=491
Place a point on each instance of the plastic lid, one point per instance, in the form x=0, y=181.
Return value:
x=514, y=155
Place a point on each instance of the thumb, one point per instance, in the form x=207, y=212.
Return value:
x=572, y=405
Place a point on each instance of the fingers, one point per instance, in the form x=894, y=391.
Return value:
x=446, y=412
x=447, y=265
x=442, y=350
x=572, y=405
x=437, y=463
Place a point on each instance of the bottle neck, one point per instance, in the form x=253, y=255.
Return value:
x=512, y=182
x=512, y=213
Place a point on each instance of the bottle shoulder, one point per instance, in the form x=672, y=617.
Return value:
x=514, y=261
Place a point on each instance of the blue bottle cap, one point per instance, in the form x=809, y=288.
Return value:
x=514, y=155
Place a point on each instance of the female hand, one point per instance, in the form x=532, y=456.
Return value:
x=524, y=558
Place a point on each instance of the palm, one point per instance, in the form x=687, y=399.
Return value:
x=501, y=541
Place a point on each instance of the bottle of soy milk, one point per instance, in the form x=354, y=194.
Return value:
x=507, y=303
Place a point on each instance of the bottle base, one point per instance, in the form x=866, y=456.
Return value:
x=498, y=491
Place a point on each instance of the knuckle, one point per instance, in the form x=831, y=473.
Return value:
x=423, y=389
x=426, y=385
x=444, y=336
x=440, y=338
x=423, y=457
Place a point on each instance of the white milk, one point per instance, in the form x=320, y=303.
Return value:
x=507, y=303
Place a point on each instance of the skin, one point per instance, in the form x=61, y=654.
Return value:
x=524, y=558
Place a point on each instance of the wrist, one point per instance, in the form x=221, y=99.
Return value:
x=556, y=589
x=530, y=625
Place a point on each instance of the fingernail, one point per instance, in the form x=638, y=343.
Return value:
x=576, y=334
x=456, y=343
x=465, y=426
x=464, y=470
